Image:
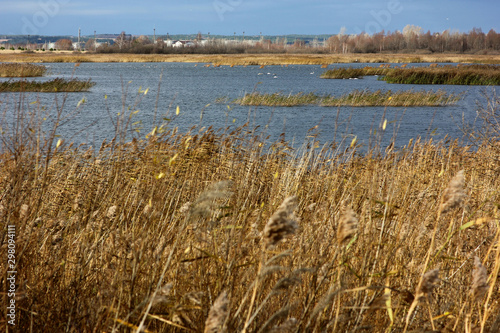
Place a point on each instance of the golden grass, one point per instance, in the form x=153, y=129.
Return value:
x=247, y=59
x=21, y=70
x=152, y=234
x=464, y=75
x=478, y=74
x=354, y=98
x=51, y=86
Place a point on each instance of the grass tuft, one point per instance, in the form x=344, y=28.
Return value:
x=51, y=86
x=21, y=70
x=454, y=75
x=354, y=98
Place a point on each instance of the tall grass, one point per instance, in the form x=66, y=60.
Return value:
x=54, y=85
x=223, y=231
x=249, y=59
x=21, y=70
x=350, y=72
x=462, y=75
x=354, y=98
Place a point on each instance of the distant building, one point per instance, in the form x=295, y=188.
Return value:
x=182, y=43
x=78, y=46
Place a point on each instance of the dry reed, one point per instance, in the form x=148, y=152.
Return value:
x=282, y=223
x=429, y=281
x=21, y=70
x=454, y=194
x=248, y=59
x=218, y=314
x=348, y=225
x=354, y=98
x=479, y=280
x=106, y=244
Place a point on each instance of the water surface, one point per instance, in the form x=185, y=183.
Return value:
x=195, y=88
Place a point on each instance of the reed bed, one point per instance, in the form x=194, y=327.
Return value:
x=354, y=98
x=51, y=86
x=222, y=231
x=351, y=73
x=21, y=70
x=461, y=75
x=433, y=74
x=248, y=59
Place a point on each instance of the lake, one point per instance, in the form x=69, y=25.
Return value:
x=195, y=88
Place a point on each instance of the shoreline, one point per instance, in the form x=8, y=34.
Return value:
x=244, y=59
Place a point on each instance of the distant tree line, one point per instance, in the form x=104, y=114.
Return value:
x=411, y=39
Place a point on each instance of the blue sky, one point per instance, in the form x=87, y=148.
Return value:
x=271, y=17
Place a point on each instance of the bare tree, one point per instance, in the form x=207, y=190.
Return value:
x=64, y=44
x=90, y=45
x=121, y=40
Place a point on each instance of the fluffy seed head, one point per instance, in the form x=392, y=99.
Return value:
x=162, y=294
x=111, y=213
x=185, y=208
x=428, y=283
x=204, y=204
x=348, y=225
x=282, y=223
x=454, y=194
x=287, y=327
x=147, y=210
x=23, y=211
x=479, y=280
x=217, y=315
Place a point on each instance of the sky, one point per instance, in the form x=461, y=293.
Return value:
x=249, y=17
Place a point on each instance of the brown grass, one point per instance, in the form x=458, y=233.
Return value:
x=465, y=75
x=354, y=98
x=21, y=70
x=52, y=86
x=248, y=59
x=90, y=257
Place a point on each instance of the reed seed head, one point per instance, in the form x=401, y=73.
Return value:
x=479, y=280
x=282, y=223
x=287, y=327
x=454, y=194
x=217, y=315
x=23, y=211
x=162, y=294
x=185, y=208
x=429, y=281
x=203, y=205
x=111, y=213
x=147, y=210
x=286, y=283
x=348, y=226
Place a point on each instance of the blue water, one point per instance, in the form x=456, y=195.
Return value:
x=194, y=89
